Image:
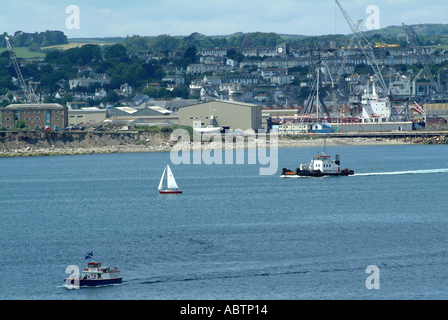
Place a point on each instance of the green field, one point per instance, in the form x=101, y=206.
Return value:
x=100, y=41
x=23, y=52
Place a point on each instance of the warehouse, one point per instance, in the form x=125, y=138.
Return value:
x=226, y=114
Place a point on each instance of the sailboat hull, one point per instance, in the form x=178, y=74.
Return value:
x=169, y=191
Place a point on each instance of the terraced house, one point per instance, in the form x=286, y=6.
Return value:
x=196, y=69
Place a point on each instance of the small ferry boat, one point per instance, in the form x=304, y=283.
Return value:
x=320, y=165
x=95, y=275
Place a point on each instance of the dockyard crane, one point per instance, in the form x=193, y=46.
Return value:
x=414, y=41
x=367, y=50
x=314, y=48
x=29, y=92
x=346, y=54
x=414, y=86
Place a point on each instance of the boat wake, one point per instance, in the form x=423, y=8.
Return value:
x=403, y=172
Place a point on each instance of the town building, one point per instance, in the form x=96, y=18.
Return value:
x=35, y=116
x=213, y=52
x=85, y=82
x=247, y=80
x=176, y=79
x=200, y=68
x=267, y=73
x=439, y=110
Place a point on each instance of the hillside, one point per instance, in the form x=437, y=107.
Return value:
x=420, y=30
x=34, y=46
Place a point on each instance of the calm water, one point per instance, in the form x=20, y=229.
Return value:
x=232, y=234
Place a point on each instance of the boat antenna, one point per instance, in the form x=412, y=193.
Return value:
x=325, y=145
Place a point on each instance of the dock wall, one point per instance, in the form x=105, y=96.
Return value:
x=375, y=127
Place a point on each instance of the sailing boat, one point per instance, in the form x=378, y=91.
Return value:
x=171, y=182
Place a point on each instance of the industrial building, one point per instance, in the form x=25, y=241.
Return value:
x=439, y=110
x=230, y=115
x=35, y=116
x=86, y=116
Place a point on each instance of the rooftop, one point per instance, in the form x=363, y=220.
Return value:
x=35, y=106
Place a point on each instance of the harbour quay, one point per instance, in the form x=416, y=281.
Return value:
x=412, y=135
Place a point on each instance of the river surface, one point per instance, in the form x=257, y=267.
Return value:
x=233, y=233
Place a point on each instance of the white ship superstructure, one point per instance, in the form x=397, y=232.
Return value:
x=374, y=108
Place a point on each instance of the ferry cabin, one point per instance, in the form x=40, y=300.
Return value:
x=324, y=164
x=96, y=272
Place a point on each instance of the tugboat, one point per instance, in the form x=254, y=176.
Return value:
x=320, y=166
x=94, y=275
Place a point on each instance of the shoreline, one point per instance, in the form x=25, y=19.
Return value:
x=167, y=146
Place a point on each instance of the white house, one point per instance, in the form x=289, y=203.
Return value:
x=85, y=82
x=232, y=63
x=195, y=69
x=261, y=97
x=267, y=73
x=126, y=89
x=177, y=79
x=281, y=78
x=212, y=80
x=100, y=93
x=292, y=128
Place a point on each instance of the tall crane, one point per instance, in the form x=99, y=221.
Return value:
x=413, y=38
x=314, y=49
x=29, y=92
x=368, y=51
x=414, y=88
x=346, y=53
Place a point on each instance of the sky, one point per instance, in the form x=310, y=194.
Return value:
x=120, y=18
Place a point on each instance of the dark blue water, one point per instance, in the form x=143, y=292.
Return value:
x=232, y=234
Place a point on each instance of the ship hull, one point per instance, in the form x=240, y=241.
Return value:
x=95, y=283
x=307, y=173
x=169, y=192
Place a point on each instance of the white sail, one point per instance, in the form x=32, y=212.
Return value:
x=171, y=181
x=161, y=180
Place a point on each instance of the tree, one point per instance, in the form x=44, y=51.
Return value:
x=115, y=51
x=112, y=96
x=49, y=99
x=93, y=86
x=247, y=42
x=20, y=124
x=151, y=92
x=191, y=53
x=230, y=53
